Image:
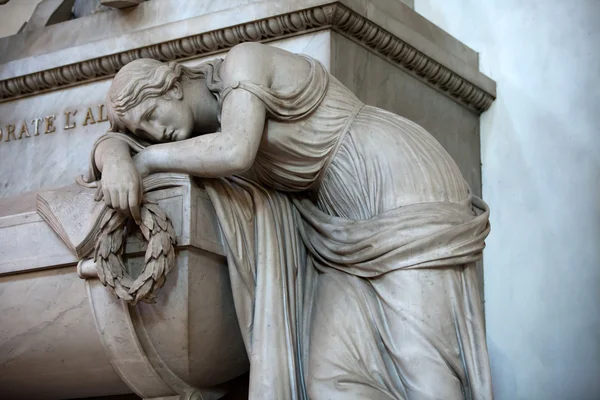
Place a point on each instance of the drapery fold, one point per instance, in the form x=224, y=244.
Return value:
x=276, y=243
x=272, y=282
x=392, y=211
x=433, y=234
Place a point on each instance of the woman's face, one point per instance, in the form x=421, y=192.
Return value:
x=161, y=119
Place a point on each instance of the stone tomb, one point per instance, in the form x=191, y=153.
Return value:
x=77, y=340
x=62, y=335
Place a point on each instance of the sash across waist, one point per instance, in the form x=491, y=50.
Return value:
x=424, y=235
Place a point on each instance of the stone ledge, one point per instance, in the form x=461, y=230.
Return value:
x=165, y=17
x=23, y=229
x=451, y=77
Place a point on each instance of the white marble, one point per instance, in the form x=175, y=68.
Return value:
x=96, y=35
x=70, y=338
x=14, y=14
x=399, y=199
x=192, y=334
x=55, y=159
x=49, y=346
x=148, y=32
x=411, y=27
x=112, y=23
x=377, y=82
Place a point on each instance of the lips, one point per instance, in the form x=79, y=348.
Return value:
x=168, y=135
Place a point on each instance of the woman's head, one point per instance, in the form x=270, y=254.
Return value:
x=146, y=98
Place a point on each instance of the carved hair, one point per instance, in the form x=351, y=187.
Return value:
x=146, y=78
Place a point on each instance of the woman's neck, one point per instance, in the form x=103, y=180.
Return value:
x=204, y=105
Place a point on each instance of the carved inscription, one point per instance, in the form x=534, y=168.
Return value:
x=72, y=209
x=89, y=117
x=50, y=128
x=68, y=123
x=10, y=132
x=36, y=126
x=24, y=130
x=47, y=124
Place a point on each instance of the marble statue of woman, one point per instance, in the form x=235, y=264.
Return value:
x=350, y=233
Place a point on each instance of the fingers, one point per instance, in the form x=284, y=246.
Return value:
x=107, y=198
x=114, y=196
x=121, y=191
x=134, y=205
x=124, y=201
x=99, y=194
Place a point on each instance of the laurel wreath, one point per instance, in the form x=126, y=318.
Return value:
x=159, y=259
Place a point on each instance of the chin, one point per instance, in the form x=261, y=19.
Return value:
x=181, y=135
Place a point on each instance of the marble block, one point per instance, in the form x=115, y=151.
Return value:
x=80, y=341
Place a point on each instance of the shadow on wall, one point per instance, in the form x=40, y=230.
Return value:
x=541, y=179
x=504, y=382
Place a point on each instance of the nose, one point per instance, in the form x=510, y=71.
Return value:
x=155, y=130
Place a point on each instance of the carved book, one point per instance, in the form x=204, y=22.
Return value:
x=73, y=214
x=76, y=217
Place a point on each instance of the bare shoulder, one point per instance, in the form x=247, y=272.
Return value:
x=267, y=65
x=249, y=49
x=248, y=62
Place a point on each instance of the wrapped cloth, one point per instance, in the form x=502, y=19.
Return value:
x=352, y=253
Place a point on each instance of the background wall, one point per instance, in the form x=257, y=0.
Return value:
x=540, y=147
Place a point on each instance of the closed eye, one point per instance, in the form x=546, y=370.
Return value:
x=148, y=113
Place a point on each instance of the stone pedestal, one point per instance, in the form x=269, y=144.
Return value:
x=64, y=337
x=62, y=329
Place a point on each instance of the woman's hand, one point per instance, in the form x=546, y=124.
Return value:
x=121, y=186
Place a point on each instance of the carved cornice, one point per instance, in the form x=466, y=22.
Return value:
x=409, y=58
x=332, y=16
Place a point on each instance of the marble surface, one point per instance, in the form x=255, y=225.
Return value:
x=45, y=329
x=416, y=30
x=399, y=200
x=55, y=159
x=84, y=342
x=181, y=334
x=49, y=12
x=184, y=332
x=112, y=23
x=377, y=82
x=19, y=233
x=141, y=26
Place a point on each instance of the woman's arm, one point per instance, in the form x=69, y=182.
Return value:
x=110, y=150
x=213, y=155
x=226, y=153
x=121, y=186
x=231, y=151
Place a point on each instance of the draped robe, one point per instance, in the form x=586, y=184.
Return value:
x=351, y=249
